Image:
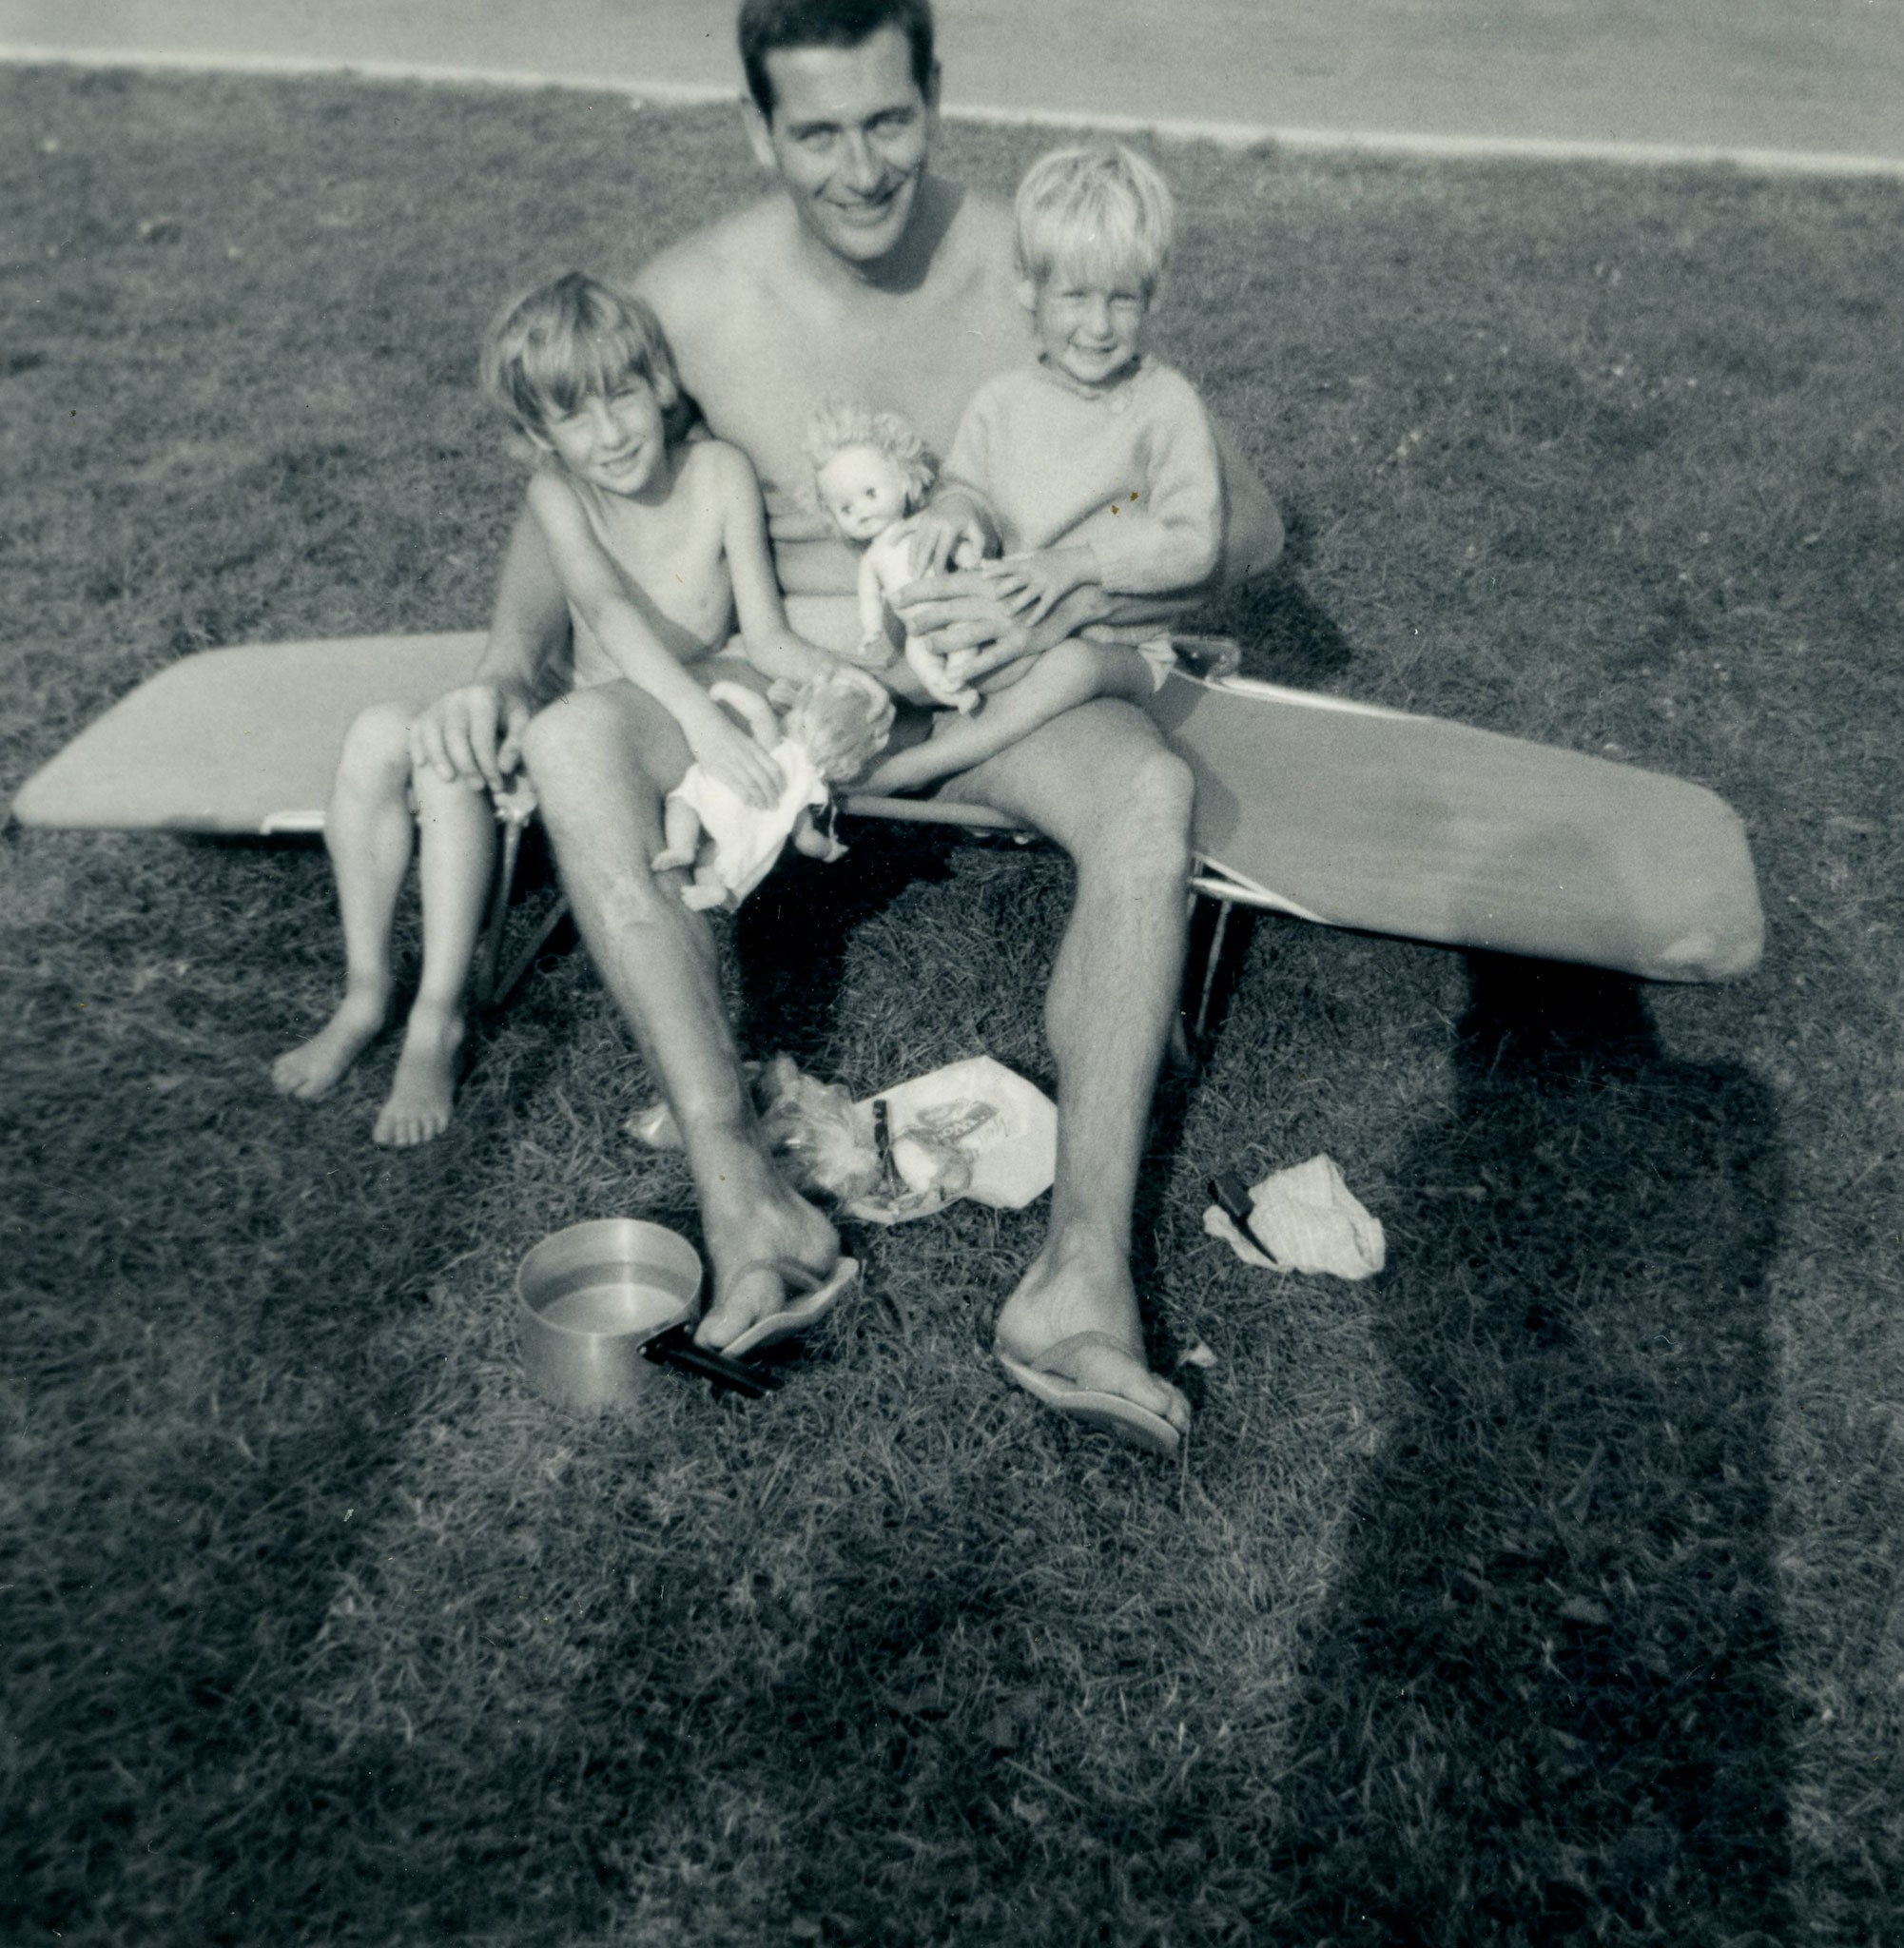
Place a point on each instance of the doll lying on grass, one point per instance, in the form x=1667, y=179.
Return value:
x=832, y=730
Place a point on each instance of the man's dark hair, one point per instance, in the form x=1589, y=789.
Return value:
x=767, y=26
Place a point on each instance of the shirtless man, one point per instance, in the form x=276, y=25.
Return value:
x=863, y=273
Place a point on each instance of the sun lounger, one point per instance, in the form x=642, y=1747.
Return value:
x=1313, y=806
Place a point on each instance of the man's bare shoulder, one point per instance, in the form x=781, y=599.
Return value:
x=979, y=239
x=698, y=276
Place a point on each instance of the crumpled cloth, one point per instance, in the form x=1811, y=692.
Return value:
x=1305, y=1218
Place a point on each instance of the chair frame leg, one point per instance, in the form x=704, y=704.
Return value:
x=491, y=983
x=1220, y=932
x=489, y=942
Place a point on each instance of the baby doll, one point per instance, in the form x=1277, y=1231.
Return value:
x=833, y=728
x=870, y=472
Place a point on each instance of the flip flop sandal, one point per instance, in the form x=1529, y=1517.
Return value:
x=820, y=1293
x=1109, y=1412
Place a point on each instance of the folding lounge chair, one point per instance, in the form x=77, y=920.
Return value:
x=1316, y=806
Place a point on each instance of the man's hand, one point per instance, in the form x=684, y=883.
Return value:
x=728, y=754
x=962, y=611
x=950, y=534
x=474, y=734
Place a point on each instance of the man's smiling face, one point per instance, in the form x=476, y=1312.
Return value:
x=848, y=136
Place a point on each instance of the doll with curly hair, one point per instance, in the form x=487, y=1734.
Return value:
x=827, y=729
x=871, y=472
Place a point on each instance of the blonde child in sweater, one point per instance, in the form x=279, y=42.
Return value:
x=1093, y=463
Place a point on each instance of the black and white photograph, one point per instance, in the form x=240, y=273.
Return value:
x=951, y=964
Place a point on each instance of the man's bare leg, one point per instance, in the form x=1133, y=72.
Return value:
x=601, y=761
x=1101, y=782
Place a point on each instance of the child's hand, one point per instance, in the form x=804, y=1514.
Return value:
x=516, y=715
x=473, y=733
x=728, y=754
x=1032, y=585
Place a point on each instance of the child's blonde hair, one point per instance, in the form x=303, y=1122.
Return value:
x=575, y=338
x=841, y=424
x=1101, y=209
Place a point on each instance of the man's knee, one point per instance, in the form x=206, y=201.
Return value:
x=574, y=730
x=1144, y=820
x=599, y=800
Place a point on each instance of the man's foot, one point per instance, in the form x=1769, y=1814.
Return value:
x=424, y=1086
x=755, y=1227
x=1069, y=1334
x=314, y=1068
x=810, y=1299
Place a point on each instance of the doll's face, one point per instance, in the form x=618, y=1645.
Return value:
x=862, y=490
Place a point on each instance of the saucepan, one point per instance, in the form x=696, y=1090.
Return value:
x=602, y=1308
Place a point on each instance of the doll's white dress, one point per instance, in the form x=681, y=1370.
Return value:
x=746, y=839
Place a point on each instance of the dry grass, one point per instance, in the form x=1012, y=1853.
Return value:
x=1547, y=1585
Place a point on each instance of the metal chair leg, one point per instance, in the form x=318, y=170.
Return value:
x=1219, y=939
x=489, y=943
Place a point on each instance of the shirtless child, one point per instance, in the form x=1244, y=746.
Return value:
x=658, y=543
x=1095, y=464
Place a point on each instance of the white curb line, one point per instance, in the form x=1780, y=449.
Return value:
x=1236, y=135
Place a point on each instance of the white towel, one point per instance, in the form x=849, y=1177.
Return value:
x=1306, y=1220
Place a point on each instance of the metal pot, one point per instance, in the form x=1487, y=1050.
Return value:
x=601, y=1307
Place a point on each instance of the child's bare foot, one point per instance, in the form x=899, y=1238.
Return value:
x=670, y=857
x=424, y=1086
x=314, y=1068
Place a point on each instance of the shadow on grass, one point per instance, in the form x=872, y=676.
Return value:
x=1285, y=637
x=792, y=936
x=1548, y=1701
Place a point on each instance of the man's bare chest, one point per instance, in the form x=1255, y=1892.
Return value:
x=762, y=377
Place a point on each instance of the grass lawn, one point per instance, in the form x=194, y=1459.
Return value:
x=1547, y=1584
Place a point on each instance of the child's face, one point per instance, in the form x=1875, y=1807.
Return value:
x=617, y=441
x=862, y=490
x=1090, y=328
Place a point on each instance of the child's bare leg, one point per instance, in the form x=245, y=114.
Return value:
x=680, y=835
x=456, y=869
x=369, y=834
x=1068, y=673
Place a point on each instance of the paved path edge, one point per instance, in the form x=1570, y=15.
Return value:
x=1235, y=135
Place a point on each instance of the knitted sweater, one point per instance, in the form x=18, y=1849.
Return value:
x=1130, y=472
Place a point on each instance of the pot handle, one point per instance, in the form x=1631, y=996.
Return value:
x=1232, y=1196
x=676, y=1347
